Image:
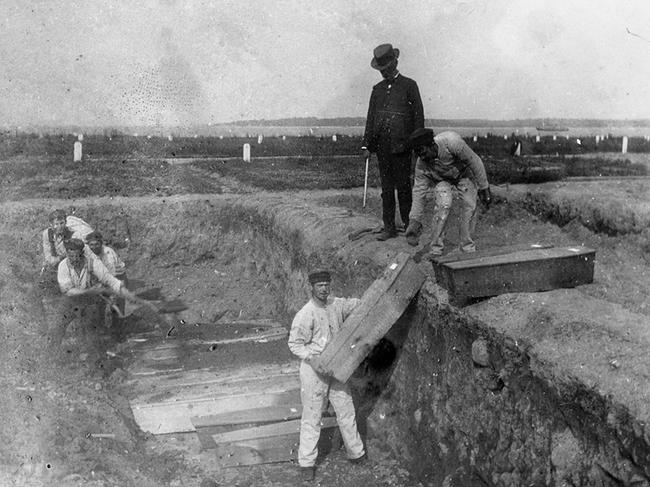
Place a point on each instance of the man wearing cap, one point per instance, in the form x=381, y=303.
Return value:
x=449, y=166
x=394, y=112
x=311, y=330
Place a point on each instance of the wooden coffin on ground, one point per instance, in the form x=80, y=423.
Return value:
x=512, y=269
x=381, y=305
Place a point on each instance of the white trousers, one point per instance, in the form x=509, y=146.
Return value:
x=315, y=390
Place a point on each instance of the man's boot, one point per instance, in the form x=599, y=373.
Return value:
x=386, y=233
x=413, y=233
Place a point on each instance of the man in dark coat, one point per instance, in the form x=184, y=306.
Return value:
x=394, y=112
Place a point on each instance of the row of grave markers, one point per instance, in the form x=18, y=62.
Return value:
x=246, y=149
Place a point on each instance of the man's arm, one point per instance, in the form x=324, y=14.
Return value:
x=349, y=304
x=106, y=278
x=300, y=335
x=368, y=135
x=464, y=153
x=416, y=106
x=47, y=250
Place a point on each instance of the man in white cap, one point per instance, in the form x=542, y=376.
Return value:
x=448, y=165
x=394, y=112
x=312, y=329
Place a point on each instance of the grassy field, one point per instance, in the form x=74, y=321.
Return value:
x=32, y=166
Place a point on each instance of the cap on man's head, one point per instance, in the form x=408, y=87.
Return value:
x=73, y=244
x=421, y=137
x=58, y=215
x=383, y=55
x=319, y=276
x=94, y=236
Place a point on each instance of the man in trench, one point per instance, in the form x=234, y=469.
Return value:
x=113, y=264
x=62, y=227
x=311, y=330
x=449, y=166
x=82, y=279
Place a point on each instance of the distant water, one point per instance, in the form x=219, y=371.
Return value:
x=328, y=131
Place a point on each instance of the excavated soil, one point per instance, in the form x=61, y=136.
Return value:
x=228, y=257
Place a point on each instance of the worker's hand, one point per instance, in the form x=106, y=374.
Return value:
x=95, y=290
x=311, y=357
x=485, y=195
x=365, y=154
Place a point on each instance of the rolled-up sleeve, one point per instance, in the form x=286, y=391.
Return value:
x=301, y=334
x=459, y=148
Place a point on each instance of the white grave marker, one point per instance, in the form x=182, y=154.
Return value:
x=247, y=153
x=77, y=151
x=537, y=138
x=334, y=138
x=624, y=145
x=260, y=138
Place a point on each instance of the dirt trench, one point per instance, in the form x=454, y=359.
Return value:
x=430, y=415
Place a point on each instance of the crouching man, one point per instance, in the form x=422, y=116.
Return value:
x=312, y=329
x=449, y=166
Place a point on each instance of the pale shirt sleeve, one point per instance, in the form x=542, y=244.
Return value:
x=47, y=250
x=63, y=278
x=459, y=148
x=348, y=305
x=301, y=334
x=116, y=263
x=106, y=278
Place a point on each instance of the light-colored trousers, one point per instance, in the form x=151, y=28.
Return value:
x=315, y=389
x=465, y=190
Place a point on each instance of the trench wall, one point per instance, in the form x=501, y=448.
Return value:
x=469, y=404
x=458, y=399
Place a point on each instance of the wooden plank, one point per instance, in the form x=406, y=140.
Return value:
x=283, y=382
x=524, y=271
x=381, y=305
x=258, y=451
x=174, y=417
x=267, y=431
x=267, y=414
x=174, y=342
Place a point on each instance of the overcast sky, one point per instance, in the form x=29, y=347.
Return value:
x=176, y=62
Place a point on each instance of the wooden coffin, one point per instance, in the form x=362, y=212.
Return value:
x=381, y=305
x=513, y=269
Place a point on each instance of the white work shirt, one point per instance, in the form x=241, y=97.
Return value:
x=77, y=228
x=315, y=324
x=111, y=261
x=91, y=273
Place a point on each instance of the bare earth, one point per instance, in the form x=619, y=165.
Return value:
x=56, y=399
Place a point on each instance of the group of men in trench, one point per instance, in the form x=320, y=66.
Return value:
x=395, y=132
x=85, y=268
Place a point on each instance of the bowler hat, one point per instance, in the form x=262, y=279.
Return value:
x=383, y=54
x=421, y=137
